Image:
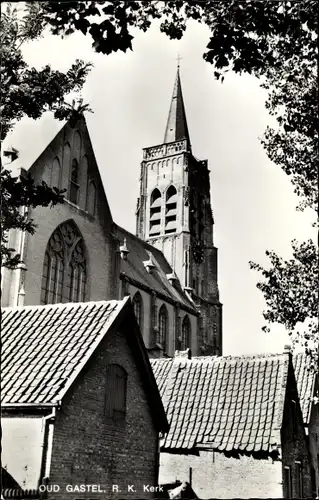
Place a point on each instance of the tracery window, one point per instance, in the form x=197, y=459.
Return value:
x=162, y=327
x=138, y=308
x=64, y=270
x=186, y=334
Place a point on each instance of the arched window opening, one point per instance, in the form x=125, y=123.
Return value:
x=186, y=333
x=64, y=268
x=138, y=308
x=74, y=182
x=155, y=213
x=162, y=327
x=77, y=145
x=170, y=210
x=91, y=198
x=115, y=392
x=56, y=173
x=53, y=271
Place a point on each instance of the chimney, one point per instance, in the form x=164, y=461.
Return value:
x=172, y=278
x=124, y=251
x=149, y=264
x=187, y=354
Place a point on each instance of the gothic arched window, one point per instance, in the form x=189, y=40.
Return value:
x=64, y=268
x=162, y=327
x=170, y=210
x=138, y=308
x=74, y=182
x=56, y=173
x=77, y=145
x=155, y=212
x=91, y=198
x=186, y=333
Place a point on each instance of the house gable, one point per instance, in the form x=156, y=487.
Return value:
x=295, y=453
x=55, y=357
x=43, y=356
x=102, y=449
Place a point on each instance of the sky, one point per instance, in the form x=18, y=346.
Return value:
x=252, y=199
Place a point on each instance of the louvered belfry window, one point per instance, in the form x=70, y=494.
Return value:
x=155, y=213
x=64, y=274
x=115, y=392
x=170, y=210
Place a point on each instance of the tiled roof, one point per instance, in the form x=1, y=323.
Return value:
x=134, y=268
x=44, y=347
x=161, y=371
x=305, y=377
x=230, y=404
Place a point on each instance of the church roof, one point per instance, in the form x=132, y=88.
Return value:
x=134, y=269
x=230, y=404
x=176, y=127
x=44, y=349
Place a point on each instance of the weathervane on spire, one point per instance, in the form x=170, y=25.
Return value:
x=178, y=60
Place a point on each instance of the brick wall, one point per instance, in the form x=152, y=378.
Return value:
x=314, y=446
x=294, y=444
x=216, y=476
x=88, y=449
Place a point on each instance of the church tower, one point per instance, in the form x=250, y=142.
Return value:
x=174, y=214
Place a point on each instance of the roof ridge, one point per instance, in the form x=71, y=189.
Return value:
x=67, y=305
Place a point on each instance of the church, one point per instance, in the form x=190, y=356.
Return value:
x=79, y=258
x=79, y=254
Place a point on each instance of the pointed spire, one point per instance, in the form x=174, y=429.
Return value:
x=176, y=128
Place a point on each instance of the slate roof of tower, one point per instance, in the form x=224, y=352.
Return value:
x=134, y=268
x=176, y=127
x=231, y=404
x=44, y=349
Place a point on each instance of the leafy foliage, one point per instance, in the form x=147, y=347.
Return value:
x=18, y=193
x=274, y=41
x=29, y=92
x=277, y=43
x=291, y=292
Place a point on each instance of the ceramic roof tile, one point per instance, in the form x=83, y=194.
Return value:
x=68, y=331
x=225, y=402
x=230, y=403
